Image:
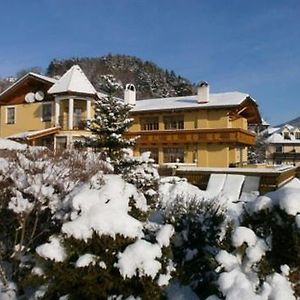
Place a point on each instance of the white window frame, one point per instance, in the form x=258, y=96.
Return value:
x=42, y=110
x=6, y=115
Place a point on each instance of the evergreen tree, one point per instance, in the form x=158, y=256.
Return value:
x=109, y=124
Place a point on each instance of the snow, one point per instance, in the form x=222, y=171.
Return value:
x=140, y=259
x=227, y=260
x=164, y=235
x=172, y=188
x=287, y=197
x=94, y=210
x=256, y=252
x=74, y=80
x=232, y=187
x=52, y=250
x=86, y=260
x=297, y=219
x=215, y=100
x=215, y=184
x=243, y=235
x=280, y=288
x=11, y=145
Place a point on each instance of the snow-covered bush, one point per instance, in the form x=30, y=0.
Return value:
x=196, y=241
x=102, y=250
x=34, y=200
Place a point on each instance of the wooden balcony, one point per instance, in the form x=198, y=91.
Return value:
x=191, y=136
x=291, y=156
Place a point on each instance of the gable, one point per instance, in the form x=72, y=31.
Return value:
x=16, y=93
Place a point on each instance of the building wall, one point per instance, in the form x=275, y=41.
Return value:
x=27, y=117
x=213, y=154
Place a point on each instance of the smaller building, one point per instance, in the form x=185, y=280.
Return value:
x=283, y=145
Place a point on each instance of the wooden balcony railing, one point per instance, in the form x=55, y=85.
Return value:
x=190, y=136
x=286, y=156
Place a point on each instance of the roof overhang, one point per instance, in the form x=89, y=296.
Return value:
x=35, y=134
x=248, y=109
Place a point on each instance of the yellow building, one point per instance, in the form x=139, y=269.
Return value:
x=204, y=130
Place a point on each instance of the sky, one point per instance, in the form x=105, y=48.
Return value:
x=249, y=46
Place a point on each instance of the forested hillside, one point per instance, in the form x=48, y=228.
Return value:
x=149, y=79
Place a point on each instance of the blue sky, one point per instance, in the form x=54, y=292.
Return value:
x=250, y=46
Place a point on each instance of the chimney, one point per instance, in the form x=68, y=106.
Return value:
x=203, y=92
x=130, y=94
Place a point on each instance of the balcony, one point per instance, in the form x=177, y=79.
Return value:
x=290, y=156
x=191, y=136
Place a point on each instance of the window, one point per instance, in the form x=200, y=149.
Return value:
x=286, y=136
x=297, y=135
x=61, y=143
x=10, y=115
x=172, y=155
x=78, y=122
x=279, y=149
x=154, y=153
x=149, y=123
x=174, y=122
x=46, y=112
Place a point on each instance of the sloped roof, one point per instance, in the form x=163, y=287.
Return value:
x=215, y=100
x=276, y=136
x=30, y=74
x=74, y=81
x=33, y=134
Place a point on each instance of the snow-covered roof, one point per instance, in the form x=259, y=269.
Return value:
x=215, y=100
x=42, y=77
x=276, y=135
x=33, y=133
x=74, y=80
x=11, y=145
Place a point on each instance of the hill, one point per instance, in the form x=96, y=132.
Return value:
x=149, y=79
x=294, y=122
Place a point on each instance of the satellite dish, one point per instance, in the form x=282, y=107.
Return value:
x=39, y=95
x=29, y=97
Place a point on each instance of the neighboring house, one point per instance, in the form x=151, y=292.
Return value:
x=283, y=145
x=205, y=129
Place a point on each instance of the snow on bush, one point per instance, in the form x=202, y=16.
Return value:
x=94, y=210
x=52, y=250
x=243, y=235
x=85, y=260
x=140, y=259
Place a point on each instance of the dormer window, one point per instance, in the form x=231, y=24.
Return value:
x=297, y=135
x=286, y=136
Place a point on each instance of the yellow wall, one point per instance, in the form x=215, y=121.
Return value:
x=239, y=123
x=217, y=118
x=213, y=155
x=27, y=117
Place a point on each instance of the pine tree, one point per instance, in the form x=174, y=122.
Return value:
x=109, y=124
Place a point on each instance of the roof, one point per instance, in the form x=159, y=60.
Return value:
x=216, y=100
x=33, y=134
x=30, y=74
x=74, y=81
x=276, y=136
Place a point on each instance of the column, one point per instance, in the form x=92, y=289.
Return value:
x=71, y=112
x=57, y=112
x=88, y=109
